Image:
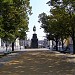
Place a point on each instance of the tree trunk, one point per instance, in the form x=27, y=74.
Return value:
x=73, y=41
x=73, y=46
x=52, y=44
x=6, y=46
x=12, y=46
x=59, y=45
x=49, y=44
x=62, y=44
x=56, y=44
x=20, y=47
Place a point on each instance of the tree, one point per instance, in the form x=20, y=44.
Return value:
x=69, y=6
x=15, y=18
x=58, y=22
x=55, y=24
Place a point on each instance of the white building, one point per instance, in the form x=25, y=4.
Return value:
x=2, y=43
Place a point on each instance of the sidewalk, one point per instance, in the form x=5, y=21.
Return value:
x=33, y=49
x=40, y=62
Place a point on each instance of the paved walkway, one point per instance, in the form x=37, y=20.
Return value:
x=39, y=62
x=35, y=49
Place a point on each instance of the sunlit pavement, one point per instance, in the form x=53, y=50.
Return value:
x=37, y=62
x=22, y=49
x=35, y=49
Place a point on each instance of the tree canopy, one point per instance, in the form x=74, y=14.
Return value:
x=14, y=17
x=61, y=21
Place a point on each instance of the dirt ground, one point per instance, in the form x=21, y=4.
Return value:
x=37, y=63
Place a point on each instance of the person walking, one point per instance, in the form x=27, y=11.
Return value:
x=67, y=44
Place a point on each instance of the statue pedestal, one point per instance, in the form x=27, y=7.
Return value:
x=34, y=41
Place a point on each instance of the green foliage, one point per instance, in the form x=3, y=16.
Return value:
x=56, y=23
x=43, y=20
x=61, y=22
x=14, y=17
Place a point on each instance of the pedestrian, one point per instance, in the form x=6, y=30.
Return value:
x=67, y=44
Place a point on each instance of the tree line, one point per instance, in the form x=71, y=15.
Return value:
x=60, y=23
x=14, y=19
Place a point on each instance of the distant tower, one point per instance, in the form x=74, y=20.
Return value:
x=34, y=40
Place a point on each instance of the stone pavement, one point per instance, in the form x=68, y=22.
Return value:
x=39, y=62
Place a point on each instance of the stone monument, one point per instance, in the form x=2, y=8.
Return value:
x=34, y=40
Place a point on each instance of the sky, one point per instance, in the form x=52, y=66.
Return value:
x=38, y=7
